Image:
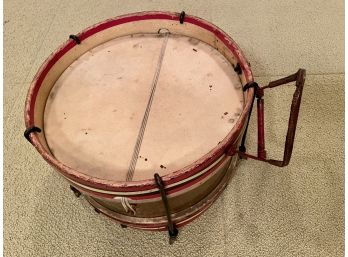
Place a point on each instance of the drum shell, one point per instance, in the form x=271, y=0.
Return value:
x=185, y=204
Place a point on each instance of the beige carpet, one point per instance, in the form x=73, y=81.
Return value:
x=265, y=211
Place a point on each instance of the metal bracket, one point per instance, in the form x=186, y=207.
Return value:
x=30, y=130
x=182, y=17
x=76, y=192
x=172, y=230
x=253, y=84
x=299, y=79
x=75, y=38
x=238, y=69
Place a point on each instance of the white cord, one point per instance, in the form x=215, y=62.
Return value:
x=125, y=203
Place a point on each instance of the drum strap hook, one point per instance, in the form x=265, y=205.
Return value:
x=172, y=230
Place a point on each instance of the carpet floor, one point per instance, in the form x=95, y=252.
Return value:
x=265, y=211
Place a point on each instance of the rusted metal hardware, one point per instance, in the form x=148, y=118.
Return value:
x=246, y=87
x=76, y=192
x=172, y=230
x=238, y=69
x=299, y=78
x=75, y=38
x=30, y=130
x=182, y=17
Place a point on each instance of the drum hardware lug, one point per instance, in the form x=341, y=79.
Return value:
x=182, y=17
x=76, y=192
x=172, y=230
x=238, y=69
x=30, y=130
x=75, y=38
x=299, y=78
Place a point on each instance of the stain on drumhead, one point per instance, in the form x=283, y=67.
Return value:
x=137, y=45
x=193, y=41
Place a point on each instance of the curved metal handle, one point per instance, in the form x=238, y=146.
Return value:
x=299, y=77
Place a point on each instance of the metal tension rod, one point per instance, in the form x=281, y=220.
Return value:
x=173, y=232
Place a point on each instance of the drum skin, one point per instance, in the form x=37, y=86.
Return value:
x=190, y=189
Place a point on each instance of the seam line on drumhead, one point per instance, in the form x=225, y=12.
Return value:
x=140, y=136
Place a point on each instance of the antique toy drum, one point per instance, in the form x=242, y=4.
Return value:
x=146, y=116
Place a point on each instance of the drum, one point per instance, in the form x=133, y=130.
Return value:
x=146, y=116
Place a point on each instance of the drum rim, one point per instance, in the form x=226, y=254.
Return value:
x=141, y=185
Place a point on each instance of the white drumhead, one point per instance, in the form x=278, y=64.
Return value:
x=109, y=115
